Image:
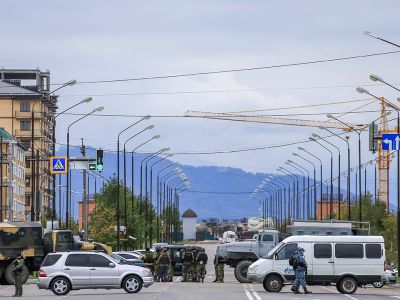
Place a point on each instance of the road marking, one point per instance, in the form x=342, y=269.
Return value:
x=346, y=295
x=255, y=294
x=248, y=294
x=179, y=278
x=398, y=297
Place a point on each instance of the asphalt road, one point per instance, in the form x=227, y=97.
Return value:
x=230, y=289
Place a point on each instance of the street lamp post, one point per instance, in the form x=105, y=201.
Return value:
x=361, y=90
x=98, y=109
x=118, y=178
x=304, y=171
x=346, y=139
x=295, y=189
x=33, y=157
x=337, y=148
x=331, y=189
x=315, y=184
x=86, y=100
x=133, y=166
x=125, y=191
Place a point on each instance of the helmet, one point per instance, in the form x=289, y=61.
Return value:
x=300, y=249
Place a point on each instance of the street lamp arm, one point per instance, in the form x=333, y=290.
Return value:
x=142, y=119
x=135, y=135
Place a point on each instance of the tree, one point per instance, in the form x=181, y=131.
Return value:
x=101, y=225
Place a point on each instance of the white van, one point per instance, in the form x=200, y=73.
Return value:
x=348, y=261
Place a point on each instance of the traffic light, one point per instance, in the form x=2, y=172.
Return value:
x=99, y=160
x=373, y=135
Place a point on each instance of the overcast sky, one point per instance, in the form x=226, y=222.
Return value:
x=96, y=40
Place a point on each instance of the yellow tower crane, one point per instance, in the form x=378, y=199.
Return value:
x=383, y=156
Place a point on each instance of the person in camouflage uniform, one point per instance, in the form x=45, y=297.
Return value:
x=219, y=270
x=170, y=274
x=164, y=261
x=195, y=251
x=148, y=259
x=156, y=256
x=18, y=264
x=187, y=260
x=201, y=260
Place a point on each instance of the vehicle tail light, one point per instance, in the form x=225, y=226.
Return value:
x=42, y=273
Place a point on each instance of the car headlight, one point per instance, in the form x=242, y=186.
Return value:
x=146, y=273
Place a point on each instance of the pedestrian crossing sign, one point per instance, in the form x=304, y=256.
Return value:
x=58, y=165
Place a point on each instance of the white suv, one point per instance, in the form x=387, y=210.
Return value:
x=62, y=272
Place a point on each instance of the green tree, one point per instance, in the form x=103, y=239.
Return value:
x=101, y=225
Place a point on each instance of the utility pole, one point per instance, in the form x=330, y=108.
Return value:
x=85, y=203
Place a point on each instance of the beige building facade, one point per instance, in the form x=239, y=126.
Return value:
x=12, y=178
x=27, y=113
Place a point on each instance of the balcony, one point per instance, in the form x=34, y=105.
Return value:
x=26, y=133
x=24, y=115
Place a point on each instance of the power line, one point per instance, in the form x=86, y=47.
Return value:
x=237, y=70
x=224, y=91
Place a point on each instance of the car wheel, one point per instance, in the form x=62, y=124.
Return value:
x=241, y=271
x=132, y=284
x=60, y=286
x=10, y=276
x=348, y=285
x=378, y=284
x=273, y=284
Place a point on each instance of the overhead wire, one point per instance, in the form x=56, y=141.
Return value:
x=169, y=76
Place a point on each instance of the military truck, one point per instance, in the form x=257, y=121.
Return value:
x=27, y=238
x=241, y=255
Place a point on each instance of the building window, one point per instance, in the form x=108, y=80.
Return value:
x=25, y=106
x=27, y=200
x=25, y=125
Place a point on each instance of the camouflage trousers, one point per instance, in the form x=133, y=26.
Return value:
x=194, y=270
x=150, y=267
x=155, y=273
x=186, y=270
x=201, y=271
x=18, y=284
x=219, y=272
x=170, y=273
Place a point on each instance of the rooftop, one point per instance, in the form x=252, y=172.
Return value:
x=5, y=135
x=9, y=89
x=189, y=214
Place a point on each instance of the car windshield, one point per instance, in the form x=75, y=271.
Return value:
x=270, y=253
x=117, y=258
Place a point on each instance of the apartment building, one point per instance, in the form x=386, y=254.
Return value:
x=12, y=178
x=27, y=113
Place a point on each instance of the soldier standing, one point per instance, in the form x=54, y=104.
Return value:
x=195, y=251
x=156, y=256
x=201, y=260
x=170, y=275
x=163, y=261
x=219, y=270
x=19, y=265
x=187, y=260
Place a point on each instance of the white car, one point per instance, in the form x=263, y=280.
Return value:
x=347, y=261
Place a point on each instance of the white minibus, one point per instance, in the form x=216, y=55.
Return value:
x=347, y=261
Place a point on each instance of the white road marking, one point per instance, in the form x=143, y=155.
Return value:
x=346, y=295
x=248, y=294
x=398, y=297
x=255, y=294
x=179, y=278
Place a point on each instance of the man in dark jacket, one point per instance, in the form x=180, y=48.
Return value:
x=163, y=262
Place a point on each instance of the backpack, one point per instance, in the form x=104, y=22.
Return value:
x=293, y=261
x=202, y=256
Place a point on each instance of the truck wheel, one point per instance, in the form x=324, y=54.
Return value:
x=241, y=271
x=273, y=284
x=10, y=276
x=378, y=284
x=347, y=285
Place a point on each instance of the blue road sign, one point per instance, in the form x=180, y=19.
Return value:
x=390, y=141
x=58, y=164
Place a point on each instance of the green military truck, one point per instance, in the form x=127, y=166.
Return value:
x=27, y=238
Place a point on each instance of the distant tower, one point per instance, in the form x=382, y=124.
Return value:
x=189, y=224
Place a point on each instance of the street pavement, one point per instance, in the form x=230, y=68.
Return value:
x=208, y=290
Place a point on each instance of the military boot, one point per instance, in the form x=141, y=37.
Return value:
x=306, y=291
x=296, y=290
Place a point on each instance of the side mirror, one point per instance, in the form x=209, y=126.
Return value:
x=111, y=265
x=276, y=256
